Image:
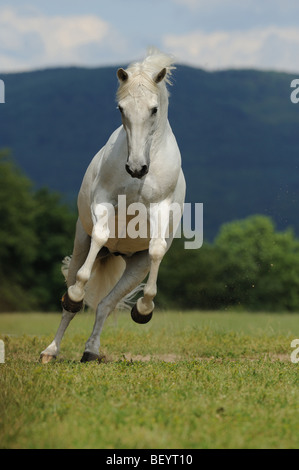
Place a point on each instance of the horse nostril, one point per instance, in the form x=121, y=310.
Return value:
x=144, y=170
x=128, y=169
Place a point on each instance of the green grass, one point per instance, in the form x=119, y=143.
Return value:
x=183, y=381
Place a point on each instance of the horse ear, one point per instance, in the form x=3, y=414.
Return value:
x=159, y=77
x=122, y=75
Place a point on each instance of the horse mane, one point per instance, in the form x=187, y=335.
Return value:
x=142, y=73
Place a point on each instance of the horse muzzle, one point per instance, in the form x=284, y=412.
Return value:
x=137, y=173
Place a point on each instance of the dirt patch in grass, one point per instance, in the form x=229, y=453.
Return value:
x=173, y=358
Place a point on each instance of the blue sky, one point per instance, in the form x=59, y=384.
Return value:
x=211, y=34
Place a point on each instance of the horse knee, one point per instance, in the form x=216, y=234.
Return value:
x=83, y=275
x=100, y=232
x=99, y=236
x=157, y=248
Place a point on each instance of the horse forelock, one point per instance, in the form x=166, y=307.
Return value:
x=141, y=74
x=136, y=86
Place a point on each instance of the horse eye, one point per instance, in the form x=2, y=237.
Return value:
x=120, y=108
x=154, y=110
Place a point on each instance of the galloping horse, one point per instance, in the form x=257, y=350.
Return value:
x=141, y=161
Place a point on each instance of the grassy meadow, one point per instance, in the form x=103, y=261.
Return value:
x=186, y=380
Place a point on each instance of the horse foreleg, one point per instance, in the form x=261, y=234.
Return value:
x=142, y=311
x=73, y=299
x=137, y=267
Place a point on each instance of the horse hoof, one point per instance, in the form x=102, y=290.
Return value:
x=89, y=357
x=138, y=318
x=46, y=358
x=70, y=305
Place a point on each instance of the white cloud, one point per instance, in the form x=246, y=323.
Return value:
x=233, y=5
x=265, y=48
x=225, y=34
x=189, y=3
x=34, y=40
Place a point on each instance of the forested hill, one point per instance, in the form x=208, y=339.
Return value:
x=238, y=132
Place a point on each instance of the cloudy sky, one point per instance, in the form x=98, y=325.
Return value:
x=211, y=34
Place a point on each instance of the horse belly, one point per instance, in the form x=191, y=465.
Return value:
x=128, y=236
x=127, y=246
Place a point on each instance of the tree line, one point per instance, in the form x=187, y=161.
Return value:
x=36, y=232
x=248, y=266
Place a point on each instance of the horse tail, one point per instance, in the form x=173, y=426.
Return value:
x=106, y=272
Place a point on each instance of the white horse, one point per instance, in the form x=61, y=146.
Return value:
x=142, y=161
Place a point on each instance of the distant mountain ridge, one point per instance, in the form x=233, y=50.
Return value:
x=238, y=132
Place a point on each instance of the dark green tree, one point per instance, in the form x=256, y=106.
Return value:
x=260, y=267
x=36, y=232
x=249, y=266
x=54, y=226
x=18, y=241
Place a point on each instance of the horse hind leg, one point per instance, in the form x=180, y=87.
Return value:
x=52, y=351
x=137, y=267
x=69, y=269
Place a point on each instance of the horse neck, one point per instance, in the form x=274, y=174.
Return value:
x=163, y=124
